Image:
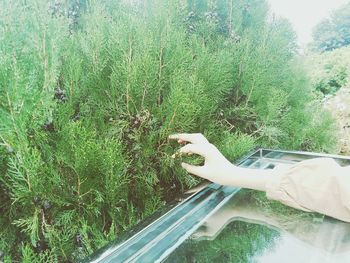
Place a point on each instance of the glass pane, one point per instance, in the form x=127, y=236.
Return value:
x=225, y=224
x=249, y=228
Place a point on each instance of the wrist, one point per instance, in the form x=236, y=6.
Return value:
x=225, y=174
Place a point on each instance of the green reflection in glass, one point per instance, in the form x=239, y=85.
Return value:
x=243, y=241
x=238, y=242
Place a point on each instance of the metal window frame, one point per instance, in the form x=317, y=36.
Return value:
x=157, y=240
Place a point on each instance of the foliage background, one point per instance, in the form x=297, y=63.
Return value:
x=333, y=32
x=90, y=90
x=328, y=71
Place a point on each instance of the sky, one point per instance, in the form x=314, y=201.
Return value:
x=305, y=14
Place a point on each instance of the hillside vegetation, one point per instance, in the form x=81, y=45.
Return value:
x=90, y=91
x=328, y=66
x=330, y=77
x=333, y=32
x=329, y=71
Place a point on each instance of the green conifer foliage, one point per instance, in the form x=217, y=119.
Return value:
x=90, y=91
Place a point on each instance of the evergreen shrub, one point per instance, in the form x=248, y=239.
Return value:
x=90, y=91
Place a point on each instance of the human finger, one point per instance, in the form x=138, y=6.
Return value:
x=193, y=169
x=189, y=137
x=181, y=141
x=194, y=148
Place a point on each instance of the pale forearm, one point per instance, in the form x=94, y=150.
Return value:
x=245, y=178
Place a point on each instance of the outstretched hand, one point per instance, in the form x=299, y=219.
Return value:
x=216, y=167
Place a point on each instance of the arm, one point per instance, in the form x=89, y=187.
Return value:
x=319, y=185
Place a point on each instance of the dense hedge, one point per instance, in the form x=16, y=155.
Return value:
x=89, y=92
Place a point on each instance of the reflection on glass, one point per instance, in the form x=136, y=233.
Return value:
x=249, y=228
x=238, y=243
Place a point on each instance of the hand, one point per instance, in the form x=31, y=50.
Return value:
x=216, y=167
